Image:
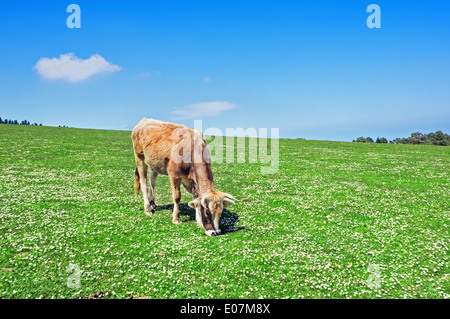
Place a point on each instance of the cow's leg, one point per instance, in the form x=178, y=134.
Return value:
x=190, y=187
x=151, y=195
x=198, y=217
x=176, y=194
x=142, y=169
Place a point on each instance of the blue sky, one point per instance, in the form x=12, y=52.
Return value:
x=313, y=69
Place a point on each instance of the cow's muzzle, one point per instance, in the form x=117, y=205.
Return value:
x=213, y=232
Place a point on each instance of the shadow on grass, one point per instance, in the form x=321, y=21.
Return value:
x=226, y=222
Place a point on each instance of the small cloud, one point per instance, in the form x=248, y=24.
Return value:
x=144, y=74
x=147, y=74
x=201, y=110
x=207, y=79
x=70, y=68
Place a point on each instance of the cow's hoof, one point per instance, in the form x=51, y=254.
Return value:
x=176, y=221
x=150, y=213
x=149, y=208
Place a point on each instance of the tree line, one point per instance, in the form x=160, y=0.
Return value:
x=15, y=122
x=417, y=138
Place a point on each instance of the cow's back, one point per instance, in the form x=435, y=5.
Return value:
x=153, y=141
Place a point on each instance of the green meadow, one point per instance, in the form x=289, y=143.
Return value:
x=336, y=220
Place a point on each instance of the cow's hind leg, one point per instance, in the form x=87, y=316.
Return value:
x=142, y=170
x=176, y=194
x=151, y=195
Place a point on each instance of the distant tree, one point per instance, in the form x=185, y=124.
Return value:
x=1, y=121
x=363, y=139
x=360, y=139
x=27, y=122
x=439, y=138
x=381, y=140
x=417, y=138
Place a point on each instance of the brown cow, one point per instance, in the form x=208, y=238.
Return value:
x=182, y=154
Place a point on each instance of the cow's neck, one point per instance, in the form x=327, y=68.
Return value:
x=203, y=179
x=204, y=187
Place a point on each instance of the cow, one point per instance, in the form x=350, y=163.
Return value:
x=181, y=153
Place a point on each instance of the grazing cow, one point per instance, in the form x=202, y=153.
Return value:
x=181, y=153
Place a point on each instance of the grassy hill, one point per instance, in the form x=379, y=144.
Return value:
x=337, y=220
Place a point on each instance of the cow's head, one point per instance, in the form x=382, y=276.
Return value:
x=209, y=207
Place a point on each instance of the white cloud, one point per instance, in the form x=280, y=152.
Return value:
x=201, y=110
x=144, y=74
x=207, y=79
x=70, y=68
x=147, y=74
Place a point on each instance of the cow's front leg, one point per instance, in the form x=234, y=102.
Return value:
x=197, y=205
x=198, y=217
x=176, y=194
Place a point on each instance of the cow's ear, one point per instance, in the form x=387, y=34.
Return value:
x=227, y=202
x=195, y=203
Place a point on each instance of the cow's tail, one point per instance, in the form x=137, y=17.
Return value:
x=137, y=182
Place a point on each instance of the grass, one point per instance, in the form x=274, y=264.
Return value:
x=311, y=230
